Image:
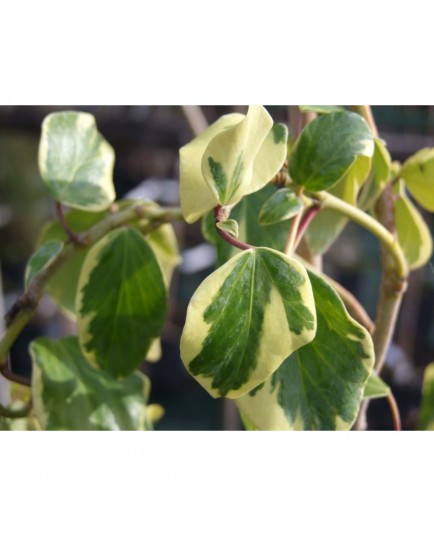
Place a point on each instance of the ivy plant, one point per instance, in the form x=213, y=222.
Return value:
x=268, y=329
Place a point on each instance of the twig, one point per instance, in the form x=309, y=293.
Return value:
x=308, y=216
x=221, y=216
x=394, y=276
x=395, y=412
x=196, y=118
x=290, y=245
x=73, y=237
x=6, y=372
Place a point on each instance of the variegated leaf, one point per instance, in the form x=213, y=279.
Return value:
x=69, y=394
x=244, y=319
x=121, y=302
x=195, y=196
x=234, y=157
x=320, y=386
x=76, y=162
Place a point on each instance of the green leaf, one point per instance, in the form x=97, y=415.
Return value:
x=41, y=259
x=62, y=286
x=121, y=302
x=195, y=196
x=414, y=235
x=249, y=231
x=282, y=205
x=327, y=148
x=381, y=166
x=230, y=226
x=328, y=224
x=375, y=387
x=426, y=413
x=418, y=173
x=244, y=319
x=69, y=394
x=322, y=109
x=320, y=386
x=76, y=162
x=234, y=157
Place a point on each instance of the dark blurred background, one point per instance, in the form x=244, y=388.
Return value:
x=146, y=140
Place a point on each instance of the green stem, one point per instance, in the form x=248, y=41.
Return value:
x=392, y=287
x=12, y=332
x=292, y=235
x=24, y=308
x=395, y=412
x=393, y=281
x=386, y=238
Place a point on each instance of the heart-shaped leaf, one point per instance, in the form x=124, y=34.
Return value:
x=195, y=196
x=69, y=394
x=320, y=386
x=235, y=156
x=244, y=319
x=121, y=302
x=227, y=164
x=282, y=205
x=327, y=148
x=76, y=162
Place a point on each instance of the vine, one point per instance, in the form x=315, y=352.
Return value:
x=293, y=348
